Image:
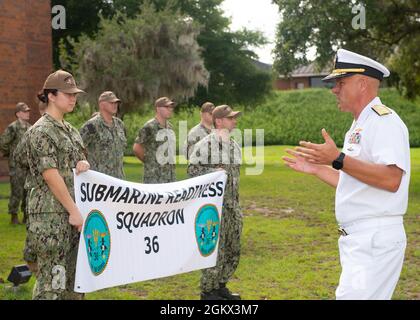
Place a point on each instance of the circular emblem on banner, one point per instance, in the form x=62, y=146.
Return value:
x=98, y=241
x=207, y=226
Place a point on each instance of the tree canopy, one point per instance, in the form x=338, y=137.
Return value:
x=391, y=35
x=234, y=78
x=153, y=54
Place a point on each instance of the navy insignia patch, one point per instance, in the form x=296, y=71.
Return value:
x=91, y=128
x=98, y=241
x=207, y=226
x=70, y=81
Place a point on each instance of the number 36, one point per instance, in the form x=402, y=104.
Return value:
x=152, y=245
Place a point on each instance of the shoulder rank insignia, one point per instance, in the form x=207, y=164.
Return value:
x=381, y=110
x=91, y=128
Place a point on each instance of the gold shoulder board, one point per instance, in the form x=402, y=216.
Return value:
x=381, y=110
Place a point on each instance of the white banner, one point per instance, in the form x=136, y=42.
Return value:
x=134, y=232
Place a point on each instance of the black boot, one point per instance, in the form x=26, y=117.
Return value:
x=225, y=293
x=211, y=295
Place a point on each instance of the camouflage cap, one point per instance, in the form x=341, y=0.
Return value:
x=62, y=81
x=164, y=102
x=224, y=111
x=21, y=106
x=207, y=107
x=108, y=96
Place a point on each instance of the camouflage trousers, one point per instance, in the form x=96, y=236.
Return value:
x=29, y=252
x=17, y=190
x=228, y=253
x=55, y=243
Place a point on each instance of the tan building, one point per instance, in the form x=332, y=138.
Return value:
x=25, y=57
x=302, y=78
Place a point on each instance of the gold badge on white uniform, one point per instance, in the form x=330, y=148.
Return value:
x=381, y=110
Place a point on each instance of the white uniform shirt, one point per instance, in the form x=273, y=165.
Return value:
x=380, y=140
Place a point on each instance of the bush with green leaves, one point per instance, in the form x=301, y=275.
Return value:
x=286, y=117
x=151, y=55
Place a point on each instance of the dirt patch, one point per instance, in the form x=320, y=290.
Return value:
x=252, y=208
x=265, y=211
x=137, y=292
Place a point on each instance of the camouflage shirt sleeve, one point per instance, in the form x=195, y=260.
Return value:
x=189, y=145
x=123, y=127
x=88, y=134
x=43, y=152
x=142, y=136
x=20, y=154
x=6, y=139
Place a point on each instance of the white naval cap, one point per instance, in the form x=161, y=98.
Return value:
x=348, y=63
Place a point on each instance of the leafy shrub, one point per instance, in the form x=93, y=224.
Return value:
x=286, y=117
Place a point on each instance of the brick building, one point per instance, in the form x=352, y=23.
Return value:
x=25, y=57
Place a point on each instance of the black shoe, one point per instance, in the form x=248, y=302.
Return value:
x=211, y=295
x=225, y=293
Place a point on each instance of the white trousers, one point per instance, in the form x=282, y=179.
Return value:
x=371, y=262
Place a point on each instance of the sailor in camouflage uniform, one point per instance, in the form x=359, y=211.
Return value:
x=155, y=145
x=8, y=142
x=200, y=130
x=54, y=221
x=215, y=152
x=105, y=138
x=21, y=160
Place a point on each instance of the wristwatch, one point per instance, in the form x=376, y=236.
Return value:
x=338, y=163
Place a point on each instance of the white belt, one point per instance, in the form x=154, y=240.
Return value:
x=364, y=224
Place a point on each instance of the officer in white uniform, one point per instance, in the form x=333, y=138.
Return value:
x=371, y=176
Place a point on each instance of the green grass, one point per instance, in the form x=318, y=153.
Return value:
x=289, y=241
